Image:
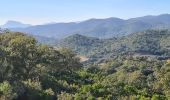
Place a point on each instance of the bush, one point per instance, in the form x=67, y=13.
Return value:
x=65, y=96
x=6, y=91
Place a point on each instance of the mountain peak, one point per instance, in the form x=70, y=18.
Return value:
x=14, y=24
x=165, y=14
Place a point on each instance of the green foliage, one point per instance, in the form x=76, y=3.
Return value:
x=65, y=96
x=148, y=43
x=158, y=97
x=6, y=91
x=32, y=71
x=30, y=65
x=33, y=89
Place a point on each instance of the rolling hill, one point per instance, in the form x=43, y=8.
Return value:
x=149, y=43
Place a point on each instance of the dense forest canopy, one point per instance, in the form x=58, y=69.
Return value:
x=149, y=42
x=132, y=68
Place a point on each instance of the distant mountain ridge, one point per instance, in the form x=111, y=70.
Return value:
x=100, y=28
x=14, y=24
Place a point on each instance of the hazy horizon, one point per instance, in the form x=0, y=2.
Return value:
x=42, y=12
x=75, y=20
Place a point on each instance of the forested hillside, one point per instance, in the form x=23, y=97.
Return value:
x=82, y=44
x=150, y=42
x=33, y=71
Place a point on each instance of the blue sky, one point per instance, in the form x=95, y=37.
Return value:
x=44, y=11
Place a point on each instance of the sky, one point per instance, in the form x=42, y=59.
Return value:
x=46, y=11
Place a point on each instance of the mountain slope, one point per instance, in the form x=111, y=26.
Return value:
x=101, y=28
x=150, y=42
x=79, y=43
